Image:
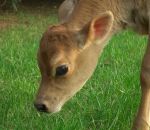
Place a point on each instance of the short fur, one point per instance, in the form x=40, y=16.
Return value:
x=77, y=42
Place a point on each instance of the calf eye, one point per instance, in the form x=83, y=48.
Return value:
x=61, y=70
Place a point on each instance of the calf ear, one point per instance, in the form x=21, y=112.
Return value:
x=96, y=31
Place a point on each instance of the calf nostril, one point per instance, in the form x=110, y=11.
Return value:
x=41, y=107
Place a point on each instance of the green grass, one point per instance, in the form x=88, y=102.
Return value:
x=108, y=101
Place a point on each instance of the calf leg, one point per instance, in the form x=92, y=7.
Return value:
x=142, y=121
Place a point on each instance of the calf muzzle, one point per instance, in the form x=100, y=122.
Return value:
x=41, y=107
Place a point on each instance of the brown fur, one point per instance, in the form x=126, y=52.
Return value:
x=80, y=40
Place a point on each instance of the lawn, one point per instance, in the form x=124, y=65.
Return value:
x=108, y=101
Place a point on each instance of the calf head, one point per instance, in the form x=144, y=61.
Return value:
x=67, y=59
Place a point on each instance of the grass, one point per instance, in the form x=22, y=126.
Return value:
x=108, y=101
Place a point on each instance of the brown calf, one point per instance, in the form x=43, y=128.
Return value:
x=69, y=52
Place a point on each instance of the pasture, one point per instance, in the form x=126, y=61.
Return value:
x=108, y=101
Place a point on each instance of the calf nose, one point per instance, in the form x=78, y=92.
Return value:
x=41, y=107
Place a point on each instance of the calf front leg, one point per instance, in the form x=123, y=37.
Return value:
x=142, y=121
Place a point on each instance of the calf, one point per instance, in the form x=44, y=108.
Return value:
x=69, y=51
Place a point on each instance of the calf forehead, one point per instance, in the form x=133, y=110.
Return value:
x=54, y=38
x=55, y=45
x=58, y=37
